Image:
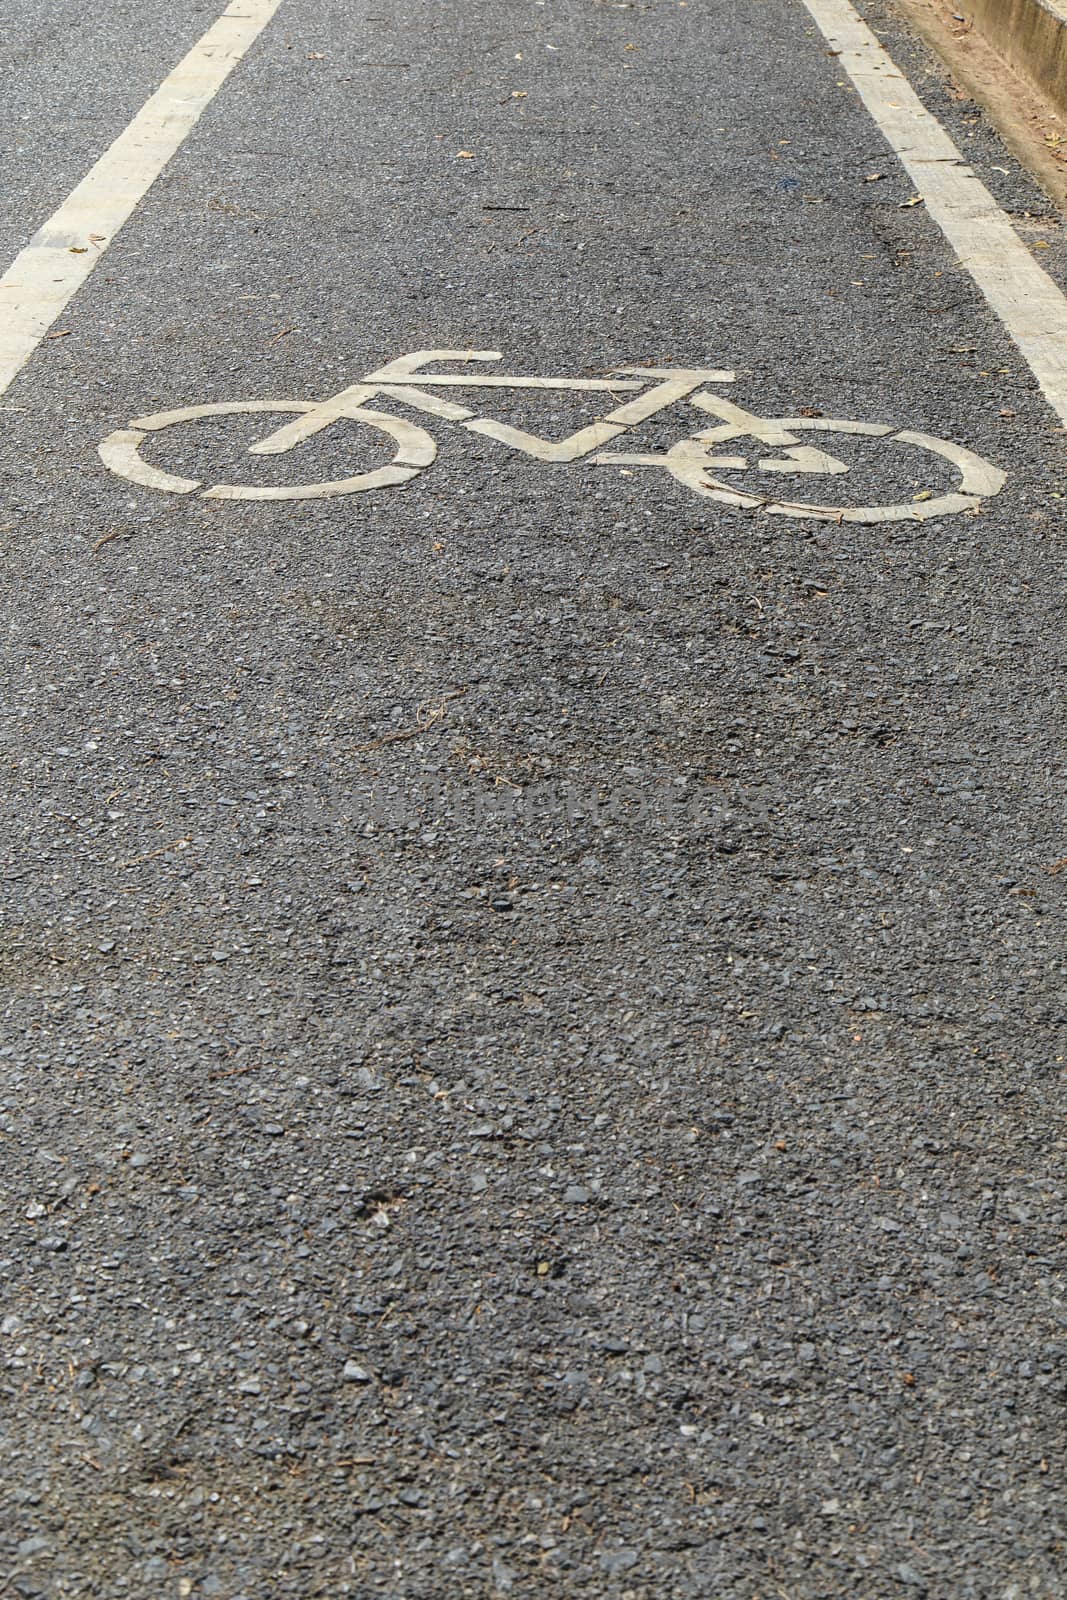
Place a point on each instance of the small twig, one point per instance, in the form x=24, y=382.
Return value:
x=391, y=738
x=281, y=335
x=175, y=844
x=424, y=721
x=114, y=534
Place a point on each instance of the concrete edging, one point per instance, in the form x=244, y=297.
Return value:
x=1031, y=36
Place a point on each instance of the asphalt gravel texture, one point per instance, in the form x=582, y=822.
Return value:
x=533, y=1001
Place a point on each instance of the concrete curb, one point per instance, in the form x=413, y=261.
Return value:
x=1031, y=36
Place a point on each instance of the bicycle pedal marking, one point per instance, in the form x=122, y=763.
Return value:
x=633, y=395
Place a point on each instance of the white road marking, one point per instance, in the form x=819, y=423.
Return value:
x=42, y=279
x=121, y=451
x=1024, y=297
x=689, y=461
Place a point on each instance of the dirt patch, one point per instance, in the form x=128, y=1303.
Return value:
x=1031, y=127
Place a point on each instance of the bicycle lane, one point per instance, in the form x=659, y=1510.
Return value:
x=588, y=953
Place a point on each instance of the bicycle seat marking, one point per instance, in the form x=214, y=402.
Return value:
x=693, y=460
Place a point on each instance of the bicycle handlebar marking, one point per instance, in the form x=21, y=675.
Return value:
x=642, y=393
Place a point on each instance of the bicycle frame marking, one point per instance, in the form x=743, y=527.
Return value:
x=648, y=391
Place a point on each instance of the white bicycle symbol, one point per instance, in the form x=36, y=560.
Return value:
x=690, y=460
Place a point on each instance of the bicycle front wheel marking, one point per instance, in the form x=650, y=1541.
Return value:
x=120, y=451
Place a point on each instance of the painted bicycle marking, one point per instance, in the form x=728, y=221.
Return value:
x=692, y=460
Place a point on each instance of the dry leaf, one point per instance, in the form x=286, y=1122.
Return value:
x=464, y=155
x=916, y=200
x=873, y=177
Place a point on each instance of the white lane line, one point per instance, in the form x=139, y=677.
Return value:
x=59, y=258
x=1024, y=297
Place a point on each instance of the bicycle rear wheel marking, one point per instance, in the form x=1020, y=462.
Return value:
x=688, y=462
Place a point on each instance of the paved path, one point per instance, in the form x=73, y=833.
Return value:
x=533, y=995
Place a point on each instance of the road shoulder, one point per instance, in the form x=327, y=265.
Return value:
x=1026, y=118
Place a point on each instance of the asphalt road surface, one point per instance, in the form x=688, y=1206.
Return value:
x=533, y=996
